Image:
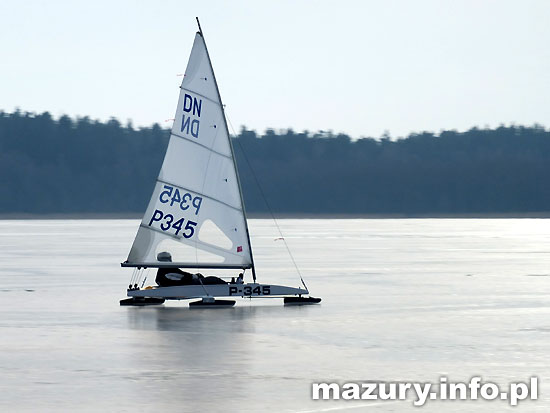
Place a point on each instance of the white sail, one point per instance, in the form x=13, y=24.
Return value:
x=196, y=211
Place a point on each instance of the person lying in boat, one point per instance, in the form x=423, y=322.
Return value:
x=167, y=277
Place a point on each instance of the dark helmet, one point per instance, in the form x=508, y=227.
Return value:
x=164, y=256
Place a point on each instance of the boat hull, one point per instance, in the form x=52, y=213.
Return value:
x=301, y=300
x=181, y=292
x=142, y=301
x=212, y=303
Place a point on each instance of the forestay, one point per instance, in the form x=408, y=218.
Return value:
x=196, y=211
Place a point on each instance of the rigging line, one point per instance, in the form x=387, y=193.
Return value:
x=136, y=277
x=132, y=277
x=203, y=287
x=265, y=200
x=145, y=279
x=140, y=274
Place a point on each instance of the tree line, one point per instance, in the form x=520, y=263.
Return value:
x=81, y=165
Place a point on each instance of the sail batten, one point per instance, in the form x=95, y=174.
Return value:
x=196, y=212
x=202, y=96
x=205, y=246
x=198, y=193
x=200, y=144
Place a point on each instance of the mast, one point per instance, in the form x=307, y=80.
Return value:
x=232, y=154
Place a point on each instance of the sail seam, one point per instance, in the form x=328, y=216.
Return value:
x=198, y=242
x=200, y=194
x=202, y=96
x=200, y=144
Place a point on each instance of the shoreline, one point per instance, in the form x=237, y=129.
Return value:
x=138, y=216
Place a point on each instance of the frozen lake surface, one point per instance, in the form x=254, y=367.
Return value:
x=403, y=300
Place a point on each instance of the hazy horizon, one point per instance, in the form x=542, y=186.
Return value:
x=235, y=131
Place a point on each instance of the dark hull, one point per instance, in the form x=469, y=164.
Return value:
x=142, y=301
x=301, y=300
x=216, y=303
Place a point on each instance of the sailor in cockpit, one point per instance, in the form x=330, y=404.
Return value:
x=167, y=277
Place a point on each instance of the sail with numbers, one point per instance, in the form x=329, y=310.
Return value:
x=196, y=212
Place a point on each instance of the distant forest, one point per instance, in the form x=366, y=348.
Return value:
x=81, y=165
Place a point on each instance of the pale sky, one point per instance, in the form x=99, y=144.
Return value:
x=358, y=67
